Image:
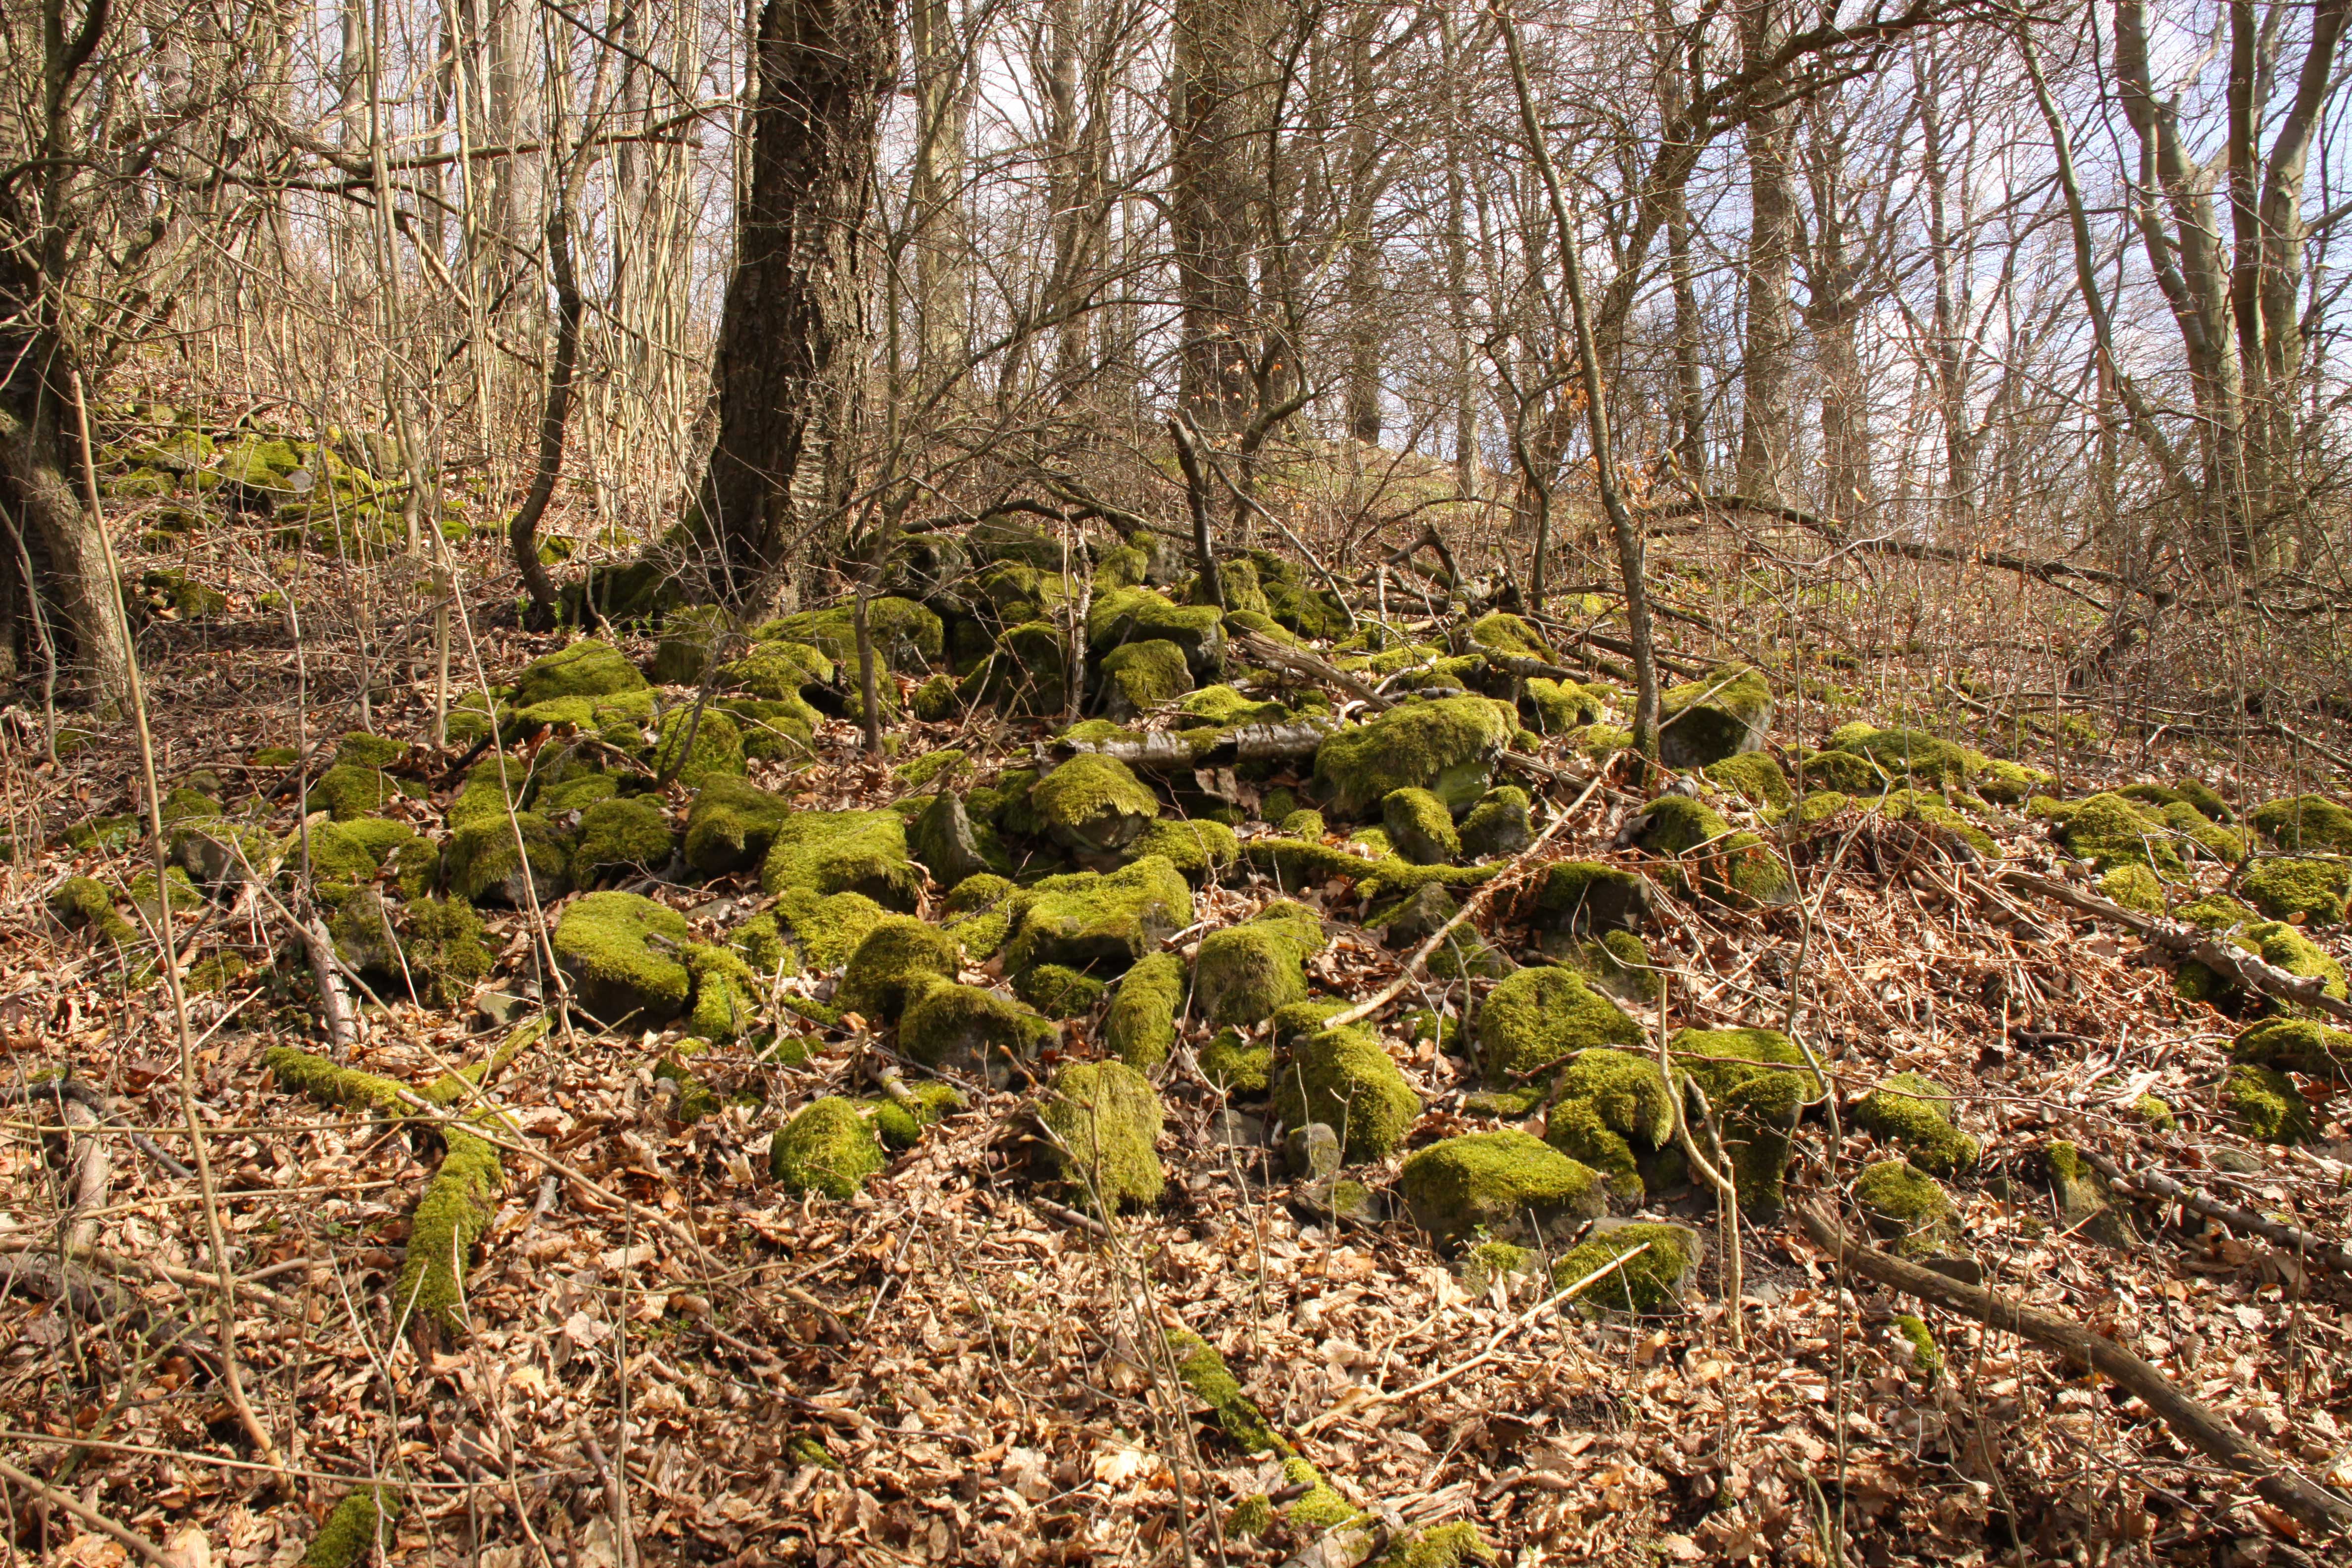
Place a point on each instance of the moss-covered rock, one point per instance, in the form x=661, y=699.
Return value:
x=1101, y=1124
x=1200, y=848
x=907, y=637
x=1139, y=614
x=2266, y=1105
x=1587, y=898
x=1421, y=827
x=1559, y=707
x=434, y=948
x=1734, y=866
x=482, y=864
x=966, y=1028
x=1237, y=1064
x=1223, y=706
x=951, y=845
x=2287, y=947
x=892, y=965
x=1652, y=1280
x=589, y=667
x=2087, y=1204
x=1841, y=772
x=1755, y=776
x=1909, y=1207
x=1345, y=1079
x=726, y=991
x=1058, y=993
x=1097, y=921
x=2134, y=887
x=2305, y=823
x=1914, y=757
x=730, y=825
x=2005, y=783
x=2293, y=887
x=1722, y=714
x=1094, y=805
x=1495, y=1183
x=1244, y=973
x=1756, y=1085
x=2298, y=1045
x=1916, y=1112
x=2109, y=831
x=693, y=748
x=823, y=852
x=1296, y=863
x=831, y=1147
x=83, y=903
x=1542, y=1015
x=621, y=837
x=1139, y=676
x=359, y=1523
x=1499, y=826
x=1141, y=1025
x=622, y=954
x=1611, y=1108
x=1445, y=745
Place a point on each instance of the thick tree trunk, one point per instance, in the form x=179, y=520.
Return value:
x=1766, y=418
x=789, y=339
x=1209, y=210
x=80, y=577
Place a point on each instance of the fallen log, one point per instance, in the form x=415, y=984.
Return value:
x=2210, y=1433
x=2303, y=1243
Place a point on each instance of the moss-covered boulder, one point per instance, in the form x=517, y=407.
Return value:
x=2134, y=887
x=951, y=845
x=1139, y=676
x=1612, y=1112
x=1914, y=757
x=1917, y=1112
x=893, y=965
x=1755, y=777
x=2292, y=887
x=1094, y=805
x=1058, y=993
x=589, y=667
x=1345, y=1079
x=2109, y=831
x=360, y=1523
x=726, y=991
x=1910, y=1208
x=1097, y=921
x=2266, y=1105
x=1843, y=773
x=907, y=637
x=1757, y=1084
x=1421, y=827
x=2005, y=783
x=730, y=824
x=1542, y=1015
x=1499, y=826
x=1660, y=1263
x=1721, y=714
x=830, y=1148
x=624, y=838
x=1244, y=973
x=84, y=903
x=2298, y=1045
x=1445, y=745
x=970, y=1029
x=1200, y=848
x=1557, y=707
x=2303, y=822
x=862, y=852
x=693, y=748
x=1738, y=867
x=1497, y=1183
x=1587, y=898
x=1139, y=614
x=622, y=955
x=430, y=947
x=1101, y=1127
x=1140, y=1028
x=482, y=863
x=2087, y=1205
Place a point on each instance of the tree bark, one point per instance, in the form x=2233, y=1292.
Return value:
x=1766, y=417
x=790, y=335
x=1209, y=212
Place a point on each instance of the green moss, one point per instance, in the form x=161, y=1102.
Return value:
x=2134, y=887
x=1345, y=1079
x=1561, y=706
x=1611, y=1105
x=1500, y=632
x=2287, y=947
x=1139, y=676
x=2085, y=1203
x=1719, y=715
x=2158, y=1114
x=2227, y=845
x=1303, y=862
x=1916, y=1112
x=829, y=1148
x=2005, y=783
x=1094, y=803
x=1244, y=973
x=436, y=947
x=1058, y=993
x=1139, y=614
x=1446, y=1546
x=1488, y=1261
x=1843, y=773
x=842, y=852
x=1102, y=1123
x=2109, y=831
x=1542, y=1015
x=726, y=991
x=1223, y=708
x=1420, y=826
x=1650, y=1283
x=1756, y=776
x=1734, y=866
x=1204, y=1371
x=104, y=832
x=1757, y=1084
x=1915, y=756
x=2298, y=1045
x=587, y=668
x=621, y=953
x=83, y=903
x=1618, y=963
x=452, y=1216
x=1497, y=826
x=1587, y=897
x=361, y=1522
x=2284, y=888
x=693, y=749
x=1930, y=809
x=1905, y=1204
x=920, y=771
x=1493, y=1182
x=346, y=792
x=905, y=636
x=481, y=864
x=968, y=1029
x=1199, y=848
x=730, y=825
x=893, y=965
x=629, y=837
x=1926, y=1359
x=1028, y=674
x=1236, y=1064
x=2305, y=822
x=938, y=700
x=2266, y=1105
x=1141, y=1024
x=1097, y=921
x=1445, y=745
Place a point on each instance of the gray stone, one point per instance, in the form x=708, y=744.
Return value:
x=944, y=840
x=1421, y=917
x=1236, y=1130
x=1311, y=1150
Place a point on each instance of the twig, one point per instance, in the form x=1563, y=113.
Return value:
x=2301, y=1242
x=130, y=1538
x=2279, y=1483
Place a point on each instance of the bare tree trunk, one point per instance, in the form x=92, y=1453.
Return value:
x=1688, y=432
x=1767, y=418
x=1209, y=210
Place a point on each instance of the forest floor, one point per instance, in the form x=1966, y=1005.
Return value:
x=664, y=1356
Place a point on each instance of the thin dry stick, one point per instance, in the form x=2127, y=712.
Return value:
x=216, y=1235
x=130, y=1538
